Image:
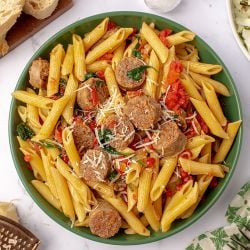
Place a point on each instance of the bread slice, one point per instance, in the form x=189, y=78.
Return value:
x=10, y=10
x=40, y=9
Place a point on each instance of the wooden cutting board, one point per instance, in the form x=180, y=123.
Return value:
x=26, y=25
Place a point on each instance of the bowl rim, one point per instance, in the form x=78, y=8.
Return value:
x=233, y=28
x=111, y=241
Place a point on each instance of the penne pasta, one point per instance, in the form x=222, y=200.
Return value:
x=197, y=168
x=99, y=65
x=68, y=62
x=132, y=193
x=218, y=87
x=110, y=44
x=79, y=57
x=214, y=103
x=163, y=178
x=152, y=217
x=96, y=34
x=181, y=37
x=202, y=68
x=46, y=193
x=56, y=59
x=155, y=42
x=118, y=55
x=226, y=144
x=209, y=118
x=199, y=140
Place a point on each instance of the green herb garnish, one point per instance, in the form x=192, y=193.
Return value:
x=136, y=73
x=105, y=136
x=113, y=175
x=90, y=75
x=47, y=144
x=99, y=83
x=136, y=52
x=24, y=131
x=63, y=82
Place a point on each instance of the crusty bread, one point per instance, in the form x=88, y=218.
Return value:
x=40, y=9
x=10, y=10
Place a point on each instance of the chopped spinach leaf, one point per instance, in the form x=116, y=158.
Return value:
x=24, y=131
x=136, y=53
x=136, y=73
x=99, y=83
x=63, y=82
x=113, y=175
x=47, y=144
x=90, y=75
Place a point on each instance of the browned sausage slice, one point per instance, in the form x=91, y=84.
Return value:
x=170, y=140
x=143, y=111
x=125, y=65
x=84, y=137
x=95, y=165
x=122, y=130
x=91, y=93
x=38, y=72
x=104, y=220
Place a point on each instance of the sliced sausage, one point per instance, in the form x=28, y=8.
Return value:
x=95, y=165
x=143, y=111
x=84, y=137
x=38, y=73
x=121, y=73
x=169, y=141
x=91, y=93
x=122, y=130
x=104, y=220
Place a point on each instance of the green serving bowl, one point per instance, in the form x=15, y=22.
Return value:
x=231, y=105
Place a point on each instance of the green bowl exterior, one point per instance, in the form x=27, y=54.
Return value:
x=231, y=104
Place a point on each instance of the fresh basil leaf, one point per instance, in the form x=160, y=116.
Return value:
x=136, y=73
x=113, y=175
x=90, y=75
x=47, y=144
x=24, y=131
x=99, y=83
x=136, y=53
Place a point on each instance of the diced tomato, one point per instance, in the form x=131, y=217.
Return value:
x=148, y=140
x=163, y=36
x=132, y=94
x=179, y=187
x=111, y=25
x=203, y=125
x=100, y=74
x=177, y=98
x=150, y=162
x=65, y=158
x=169, y=193
x=95, y=142
x=29, y=167
x=94, y=96
x=58, y=134
x=214, y=183
x=133, y=33
x=175, y=69
x=187, y=178
x=36, y=147
x=107, y=56
x=93, y=124
x=187, y=154
x=27, y=158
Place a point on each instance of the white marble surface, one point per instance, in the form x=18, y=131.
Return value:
x=208, y=18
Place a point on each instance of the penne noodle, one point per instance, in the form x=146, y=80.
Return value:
x=33, y=99
x=56, y=59
x=155, y=42
x=96, y=34
x=63, y=194
x=202, y=68
x=132, y=193
x=163, y=178
x=180, y=37
x=46, y=193
x=144, y=189
x=152, y=217
x=70, y=90
x=100, y=65
x=199, y=140
x=218, y=87
x=151, y=84
x=209, y=118
x=118, y=55
x=214, y=103
x=79, y=57
x=226, y=144
x=22, y=112
x=197, y=168
x=68, y=62
x=110, y=44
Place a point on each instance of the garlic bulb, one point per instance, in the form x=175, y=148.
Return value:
x=162, y=5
